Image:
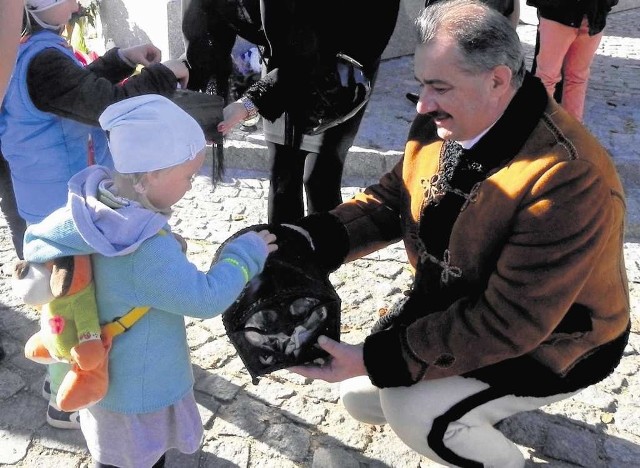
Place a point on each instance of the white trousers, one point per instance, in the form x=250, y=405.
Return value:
x=449, y=421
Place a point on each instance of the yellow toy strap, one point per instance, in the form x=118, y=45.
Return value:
x=122, y=324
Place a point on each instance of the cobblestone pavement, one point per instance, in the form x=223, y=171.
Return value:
x=286, y=421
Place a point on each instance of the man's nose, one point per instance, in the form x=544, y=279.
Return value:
x=426, y=103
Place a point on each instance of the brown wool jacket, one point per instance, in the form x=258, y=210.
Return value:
x=540, y=236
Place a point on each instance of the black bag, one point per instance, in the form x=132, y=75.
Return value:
x=206, y=109
x=278, y=317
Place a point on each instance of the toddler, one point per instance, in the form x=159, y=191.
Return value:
x=120, y=217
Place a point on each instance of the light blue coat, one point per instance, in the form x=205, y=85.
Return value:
x=134, y=265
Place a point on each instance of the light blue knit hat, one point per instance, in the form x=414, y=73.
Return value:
x=150, y=132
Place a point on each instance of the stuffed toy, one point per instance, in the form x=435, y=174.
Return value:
x=64, y=291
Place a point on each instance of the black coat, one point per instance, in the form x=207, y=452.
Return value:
x=211, y=27
x=300, y=41
x=505, y=7
x=57, y=84
x=571, y=12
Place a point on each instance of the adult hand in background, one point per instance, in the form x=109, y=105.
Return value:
x=233, y=113
x=145, y=54
x=179, y=68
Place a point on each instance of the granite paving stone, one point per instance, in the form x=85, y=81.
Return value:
x=288, y=421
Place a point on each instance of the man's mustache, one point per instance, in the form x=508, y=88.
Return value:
x=438, y=115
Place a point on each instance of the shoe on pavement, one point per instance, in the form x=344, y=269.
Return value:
x=62, y=419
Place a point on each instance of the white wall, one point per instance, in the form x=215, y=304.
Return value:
x=133, y=22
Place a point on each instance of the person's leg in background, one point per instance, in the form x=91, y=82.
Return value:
x=17, y=227
x=9, y=208
x=557, y=94
x=16, y=224
x=319, y=174
x=323, y=170
x=577, y=69
x=285, y=202
x=555, y=40
x=323, y=180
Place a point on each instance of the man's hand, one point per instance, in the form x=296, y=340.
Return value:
x=179, y=68
x=346, y=361
x=145, y=54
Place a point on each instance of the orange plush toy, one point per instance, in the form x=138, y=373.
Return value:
x=69, y=327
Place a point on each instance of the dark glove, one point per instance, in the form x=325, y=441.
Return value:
x=329, y=238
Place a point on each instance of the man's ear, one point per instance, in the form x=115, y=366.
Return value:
x=501, y=78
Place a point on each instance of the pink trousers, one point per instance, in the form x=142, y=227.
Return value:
x=566, y=52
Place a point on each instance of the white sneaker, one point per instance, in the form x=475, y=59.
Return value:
x=62, y=419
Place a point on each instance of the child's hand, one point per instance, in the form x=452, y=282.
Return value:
x=145, y=54
x=269, y=239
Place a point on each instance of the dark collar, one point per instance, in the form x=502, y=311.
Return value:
x=508, y=135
